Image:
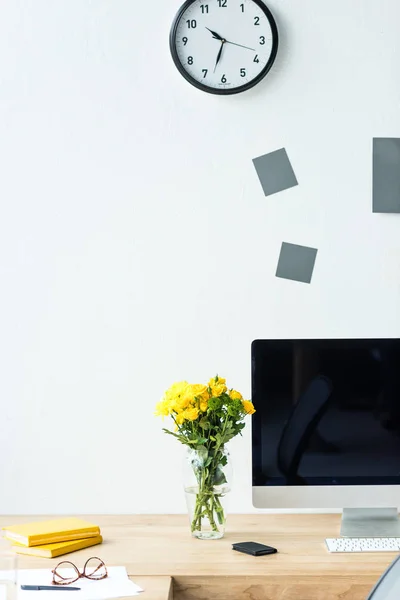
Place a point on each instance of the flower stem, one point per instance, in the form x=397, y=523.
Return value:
x=208, y=502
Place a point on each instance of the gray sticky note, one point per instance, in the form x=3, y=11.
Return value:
x=386, y=175
x=296, y=262
x=275, y=172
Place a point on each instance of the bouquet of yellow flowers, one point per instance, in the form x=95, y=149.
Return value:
x=206, y=417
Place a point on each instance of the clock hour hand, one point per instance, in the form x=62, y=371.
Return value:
x=219, y=54
x=215, y=35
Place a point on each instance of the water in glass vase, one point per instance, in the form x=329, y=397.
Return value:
x=207, y=486
x=207, y=517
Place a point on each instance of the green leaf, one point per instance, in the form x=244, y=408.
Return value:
x=168, y=431
x=219, y=477
x=202, y=440
x=215, y=404
x=204, y=424
x=223, y=461
x=202, y=454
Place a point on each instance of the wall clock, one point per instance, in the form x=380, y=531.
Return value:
x=224, y=46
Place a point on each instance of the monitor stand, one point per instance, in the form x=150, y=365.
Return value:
x=370, y=522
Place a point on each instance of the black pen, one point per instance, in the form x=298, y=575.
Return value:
x=39, y=588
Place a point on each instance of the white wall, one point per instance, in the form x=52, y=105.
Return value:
x=137, y=248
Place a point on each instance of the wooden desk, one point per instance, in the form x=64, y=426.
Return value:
x=157, y=548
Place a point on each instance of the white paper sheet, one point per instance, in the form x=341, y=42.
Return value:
x=116, y=585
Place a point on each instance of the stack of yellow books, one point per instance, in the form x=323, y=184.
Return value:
x=52, y=538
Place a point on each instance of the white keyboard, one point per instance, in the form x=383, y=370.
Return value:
x=363, y=544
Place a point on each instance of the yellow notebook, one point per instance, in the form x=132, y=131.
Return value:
x=49, y=532
x=53, y=550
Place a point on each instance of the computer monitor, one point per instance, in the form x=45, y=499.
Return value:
x=326, y=432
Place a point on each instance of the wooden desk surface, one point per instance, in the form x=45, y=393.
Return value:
x=155, y=548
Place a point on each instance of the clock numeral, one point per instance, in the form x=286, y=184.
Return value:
x=223, y=79
x=242, y=7
x=223, y=3
x=185, y=41
x=190, y=60
x=262, y=40
x=256, y=59
x=242, y=72
x=204, y=8
x=192, y=24
x=256, y=20
x=205, y=71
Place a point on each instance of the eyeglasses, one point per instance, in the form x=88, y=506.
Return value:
x=94, y=568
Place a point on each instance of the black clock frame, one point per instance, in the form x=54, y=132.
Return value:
x=223, y=91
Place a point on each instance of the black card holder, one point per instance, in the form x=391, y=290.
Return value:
x=254, y=548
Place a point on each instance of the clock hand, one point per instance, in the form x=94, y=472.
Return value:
x=240, y=45
x=215, y=35
x=219, y=54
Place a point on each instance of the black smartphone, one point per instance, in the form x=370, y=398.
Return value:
x=254, y=548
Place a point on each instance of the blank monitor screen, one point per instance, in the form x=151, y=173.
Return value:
x=327, y=412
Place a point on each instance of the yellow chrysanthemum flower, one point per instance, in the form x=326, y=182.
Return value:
x=200, y=391
x=176, y=390
x=216, y=380
x=162, y=409
x=179, y=418
x=188, y=396
x=185, y=401
x=180, y=403
x=217, y=386
x=203, y=405
x=248, y=407
x=218, y=389
x=175, y=396
x=191, y=414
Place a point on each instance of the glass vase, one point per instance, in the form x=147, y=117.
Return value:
x=207, y=483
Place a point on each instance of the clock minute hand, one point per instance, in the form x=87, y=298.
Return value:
x=215, y=35
x=240, y=45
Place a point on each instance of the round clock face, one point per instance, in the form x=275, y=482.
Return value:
x=224, y=46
